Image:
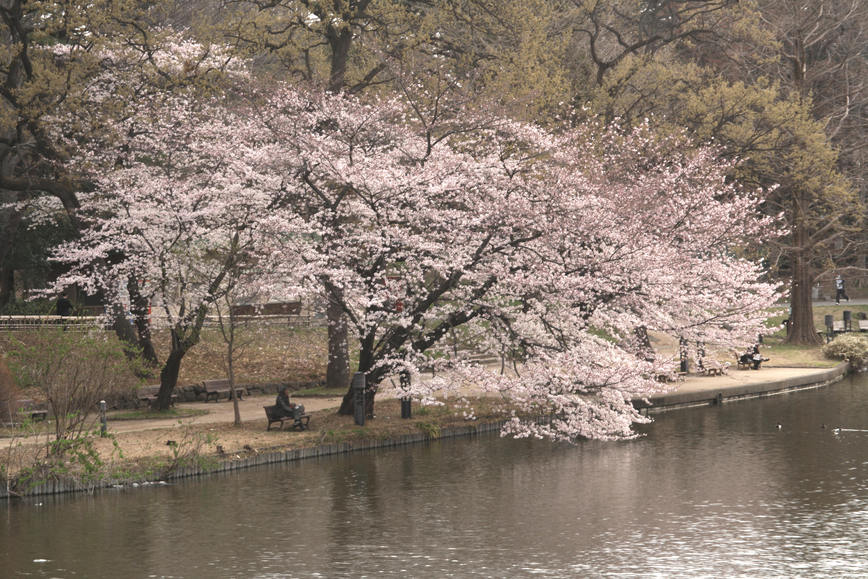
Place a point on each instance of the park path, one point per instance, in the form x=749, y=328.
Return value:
x=251, y=406
x=223, y=412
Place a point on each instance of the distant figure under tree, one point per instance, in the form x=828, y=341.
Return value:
x=839, y=290
x=753, y=358
x=64, y=306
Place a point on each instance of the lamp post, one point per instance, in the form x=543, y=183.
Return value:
x=358, y=387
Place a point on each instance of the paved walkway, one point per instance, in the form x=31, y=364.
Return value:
x=222, y=412
x=697, y=389
x=852, y=302
x=693, y=390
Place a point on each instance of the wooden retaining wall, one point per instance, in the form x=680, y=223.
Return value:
x=264, y=458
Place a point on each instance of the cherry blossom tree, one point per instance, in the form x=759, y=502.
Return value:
x=527, y=242
x=548, y=248
x=180, y=205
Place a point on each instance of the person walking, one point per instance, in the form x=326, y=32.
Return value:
x=64, y=306
x=839, y=290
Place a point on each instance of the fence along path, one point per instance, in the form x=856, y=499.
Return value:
x=83, y=323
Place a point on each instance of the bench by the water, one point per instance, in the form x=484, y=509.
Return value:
x=746, y=363
x=215, y=388
x=299, y=421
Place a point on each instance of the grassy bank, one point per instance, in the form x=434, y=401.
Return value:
x=273, y=354
x=163, y=453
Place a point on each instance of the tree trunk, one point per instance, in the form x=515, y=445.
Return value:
x=338, y=367
x=122, y=327
x=348, y=404
x=230, y=355
x=801, y=328
x=169, y=375
x=7, y=242
x=7, y=285
x=140, y=307
x=340, y=40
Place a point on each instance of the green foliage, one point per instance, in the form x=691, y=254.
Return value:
x=850, y=347
x=187, y=452
x=72, y=372
x=75, y=459
x=28, y=308
x=431, y=429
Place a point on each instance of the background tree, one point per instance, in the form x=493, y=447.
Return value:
x=717, y=78
x=35, y=78
x=60, y=61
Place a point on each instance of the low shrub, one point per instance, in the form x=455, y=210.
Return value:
x=850, y=347
x=9, y=393
x=71, y=373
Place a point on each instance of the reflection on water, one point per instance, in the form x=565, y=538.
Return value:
x=715, y=491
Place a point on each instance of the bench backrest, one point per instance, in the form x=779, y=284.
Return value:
x=271, y=412
x=215, y=384
x=149, y=390
x=863, y=324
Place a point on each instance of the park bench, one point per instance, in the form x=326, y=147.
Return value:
x=299, y=420
x=743, y=362
x=673, y=376
x=148, y=394
x=29, y=408
x=863, y=325
x=712, y=367
x=214, y=388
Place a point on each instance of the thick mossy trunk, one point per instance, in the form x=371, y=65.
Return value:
x=801, y=329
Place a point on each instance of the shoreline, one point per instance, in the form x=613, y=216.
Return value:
x=741, y=385
x=691, y=392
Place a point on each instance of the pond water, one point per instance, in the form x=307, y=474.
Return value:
x=716, y=491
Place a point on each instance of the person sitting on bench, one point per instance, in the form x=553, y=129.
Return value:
x=753, y=357
x=285, y=407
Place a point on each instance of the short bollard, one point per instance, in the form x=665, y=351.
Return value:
x=829, y=320
x=103, y=423
x=358, y=387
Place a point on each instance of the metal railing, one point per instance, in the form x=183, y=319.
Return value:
x=12, y=322
x=83, y=323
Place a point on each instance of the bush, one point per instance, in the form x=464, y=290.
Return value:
x=850, y=347
x=72, y=372
x=9, y=393
x=29, y=308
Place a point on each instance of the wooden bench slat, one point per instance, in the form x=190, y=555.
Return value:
x=301, y=422
x=214, y=388
x=150, y=393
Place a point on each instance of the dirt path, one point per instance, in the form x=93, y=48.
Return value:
x=222, y=412
x=213, y=432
